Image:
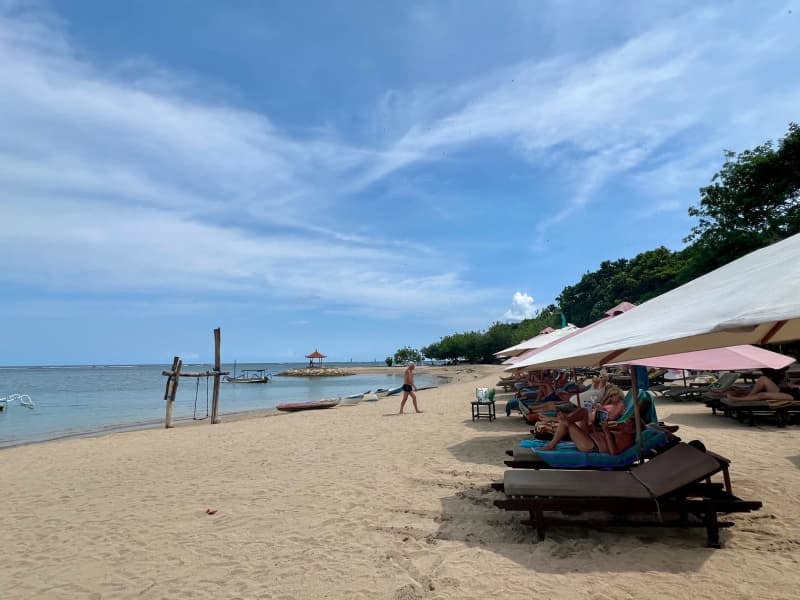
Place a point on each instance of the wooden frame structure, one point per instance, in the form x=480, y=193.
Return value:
x=173, y=378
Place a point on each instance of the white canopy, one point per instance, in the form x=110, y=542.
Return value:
x=536, y=342
x=752, y=300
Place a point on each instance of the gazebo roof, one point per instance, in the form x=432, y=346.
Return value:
x=316, y=354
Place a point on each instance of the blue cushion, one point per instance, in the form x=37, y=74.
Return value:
x=567, y=455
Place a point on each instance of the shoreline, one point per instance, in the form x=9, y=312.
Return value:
x=184, y=422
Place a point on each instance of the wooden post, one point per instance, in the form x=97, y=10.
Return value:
x=172, y=389
x=215, y=397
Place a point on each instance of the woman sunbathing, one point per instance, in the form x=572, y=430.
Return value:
x=770, y=386
x=596, y=430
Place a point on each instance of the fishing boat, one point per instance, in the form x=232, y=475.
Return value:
x=316, y=405
x=249, y=376
x=389, y=392
x=353, y=399
x=22, y=399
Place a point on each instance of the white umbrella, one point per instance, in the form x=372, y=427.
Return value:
x=544, y=338
x=609, y=314
x=752, y=300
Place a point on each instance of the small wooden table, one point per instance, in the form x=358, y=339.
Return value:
x=477, y=413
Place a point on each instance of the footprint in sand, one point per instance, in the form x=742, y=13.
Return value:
x=408, y=592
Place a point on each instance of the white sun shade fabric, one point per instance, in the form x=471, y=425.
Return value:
x=536, y=342
x=752, y=300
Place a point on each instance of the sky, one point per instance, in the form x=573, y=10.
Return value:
x=353, y=176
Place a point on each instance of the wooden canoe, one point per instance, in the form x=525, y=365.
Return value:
x=298, y=406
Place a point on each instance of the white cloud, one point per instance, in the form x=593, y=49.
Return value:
x=131, y=185
x=606, y=117
x=522, y=307
x=124, y=181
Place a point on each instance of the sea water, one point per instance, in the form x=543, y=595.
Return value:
x=83, y=400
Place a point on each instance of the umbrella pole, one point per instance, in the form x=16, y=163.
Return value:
x=635, y=399
x=683, y=371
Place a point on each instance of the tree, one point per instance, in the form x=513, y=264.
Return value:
x=406, y=354
x=389, y=361
x=753, y=201
x=645, y=276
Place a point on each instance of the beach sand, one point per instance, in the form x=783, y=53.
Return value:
x=358, y=502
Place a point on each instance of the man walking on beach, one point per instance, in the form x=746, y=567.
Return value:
x=409, y=387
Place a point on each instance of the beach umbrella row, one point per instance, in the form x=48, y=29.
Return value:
x=545, y=337
x=752, y=300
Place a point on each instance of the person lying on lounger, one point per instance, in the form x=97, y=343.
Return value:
x=771, y=385
x=597, y=431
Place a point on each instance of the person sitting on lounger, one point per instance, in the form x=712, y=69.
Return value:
x=530, y=383
x=591, y=432
x=534, y=382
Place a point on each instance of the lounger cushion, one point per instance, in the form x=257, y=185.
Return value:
x=574, y=484
x=678, y=467
x=573, y=458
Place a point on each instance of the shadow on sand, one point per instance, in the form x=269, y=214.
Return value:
x=795, y=460
x=470, y=517
x=709, y=421
x=486, y=450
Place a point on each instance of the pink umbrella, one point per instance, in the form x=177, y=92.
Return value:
x=732, y=358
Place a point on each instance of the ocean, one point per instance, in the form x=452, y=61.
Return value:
x=87, y=400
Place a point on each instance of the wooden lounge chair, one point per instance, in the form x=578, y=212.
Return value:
x=725, y=381
x=747, y=411
x=673, y=489
x=507, y=383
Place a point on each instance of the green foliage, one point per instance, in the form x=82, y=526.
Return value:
x=407, y=353
x=389, y=361
x=753, y=201
x=645, y=276
x=477, y=346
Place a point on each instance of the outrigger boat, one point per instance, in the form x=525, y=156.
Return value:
x=22, y=399
x=249, y=376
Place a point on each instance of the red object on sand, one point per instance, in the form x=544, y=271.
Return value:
x=298, y=406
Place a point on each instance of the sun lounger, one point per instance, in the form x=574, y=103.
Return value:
x=747, y=411
x=725, y=381
x=529, y=454
x=506, y=384
x=672, y=489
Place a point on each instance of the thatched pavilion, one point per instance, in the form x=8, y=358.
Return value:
x=315, y=355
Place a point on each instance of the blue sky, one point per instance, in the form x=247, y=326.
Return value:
x=355, y=176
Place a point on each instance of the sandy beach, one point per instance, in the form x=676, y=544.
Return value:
x=358, y=502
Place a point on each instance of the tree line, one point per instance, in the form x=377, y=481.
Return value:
x=751, y=202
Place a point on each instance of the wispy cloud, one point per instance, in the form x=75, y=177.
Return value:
x=609, y=116
x=138, y=179
x=131, y=185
